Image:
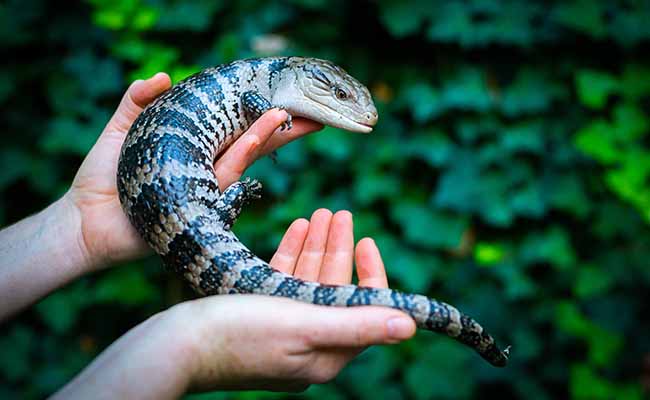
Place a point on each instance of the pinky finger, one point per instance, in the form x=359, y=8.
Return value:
x=370, y=266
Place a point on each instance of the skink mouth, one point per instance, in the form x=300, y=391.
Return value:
x=368, y=124
x=352, y=125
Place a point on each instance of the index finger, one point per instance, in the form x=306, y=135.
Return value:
x=231, y=165
x=301, y=127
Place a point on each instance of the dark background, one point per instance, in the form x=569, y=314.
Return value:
x=508, y=175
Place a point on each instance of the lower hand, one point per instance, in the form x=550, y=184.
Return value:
x=279, y=344
x=255, y=342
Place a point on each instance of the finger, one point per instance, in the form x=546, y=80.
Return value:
x=370, y=267
x=311, y=258
x=286, y=257
x=301, y=127
x=337, y=261
x=137, y=96
x=357, y=327
x=231, y=165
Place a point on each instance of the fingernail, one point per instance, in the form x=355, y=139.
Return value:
x=399, y=328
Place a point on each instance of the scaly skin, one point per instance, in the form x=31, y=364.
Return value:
x=169, y=191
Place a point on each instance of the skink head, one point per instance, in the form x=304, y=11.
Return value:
x=324, y=92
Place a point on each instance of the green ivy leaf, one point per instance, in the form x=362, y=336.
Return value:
x=110, y=19
x=585, y=384
x=466, y=89
x=530, y=92
x=552, y=246
x=332, y=143
x=15, y=349
x=413, y=271
x=432, y=146
x=194, y=15
x=629, y=180
x=450, y=381
x=6, y=85
x=529, y=201
x=400, y=18
x=591, y=281
x=60, y=310
x=630, y=123
x=517, y=284
x=126, y=285
x=594, y=87
x=567, y=192
x=423, y=101
x=14, y=165
x=527, y=136
x=450, y=22
x=596, y=140
x=463, y=189
x=489, y=253
x=635, y=82
x=145, y=18
x=584, y=16
x=68, y=135
x=372, y=186
x=429, y=228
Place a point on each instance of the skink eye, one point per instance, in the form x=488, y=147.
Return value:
x=340, y=94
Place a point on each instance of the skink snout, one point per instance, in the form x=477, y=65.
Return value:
x=370, y=118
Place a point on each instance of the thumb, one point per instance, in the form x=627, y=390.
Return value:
x=359, y=327
x=136, y=98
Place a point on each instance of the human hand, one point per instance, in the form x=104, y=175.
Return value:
x=105, y=234
x=251, y=342
x=255, y=342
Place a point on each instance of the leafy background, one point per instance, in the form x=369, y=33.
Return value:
x=508, y=175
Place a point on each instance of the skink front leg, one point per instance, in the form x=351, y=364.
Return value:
x=255, y=105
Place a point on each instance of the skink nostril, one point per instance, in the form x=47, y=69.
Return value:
x=371, y=117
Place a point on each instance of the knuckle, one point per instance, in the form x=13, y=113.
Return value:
x=362, y=334
x=308, y=339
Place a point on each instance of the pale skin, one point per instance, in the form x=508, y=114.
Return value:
x=222, y=342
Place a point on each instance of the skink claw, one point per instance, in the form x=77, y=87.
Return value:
x=287, y=124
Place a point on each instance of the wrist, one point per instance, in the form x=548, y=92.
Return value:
x=210, y=353
x=186, y=344
x=166, y=348
x=38, y=255
x=80, y=260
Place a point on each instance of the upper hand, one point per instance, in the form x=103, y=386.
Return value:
x=105, y=234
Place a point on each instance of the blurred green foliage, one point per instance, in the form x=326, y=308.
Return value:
x=509, y=175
